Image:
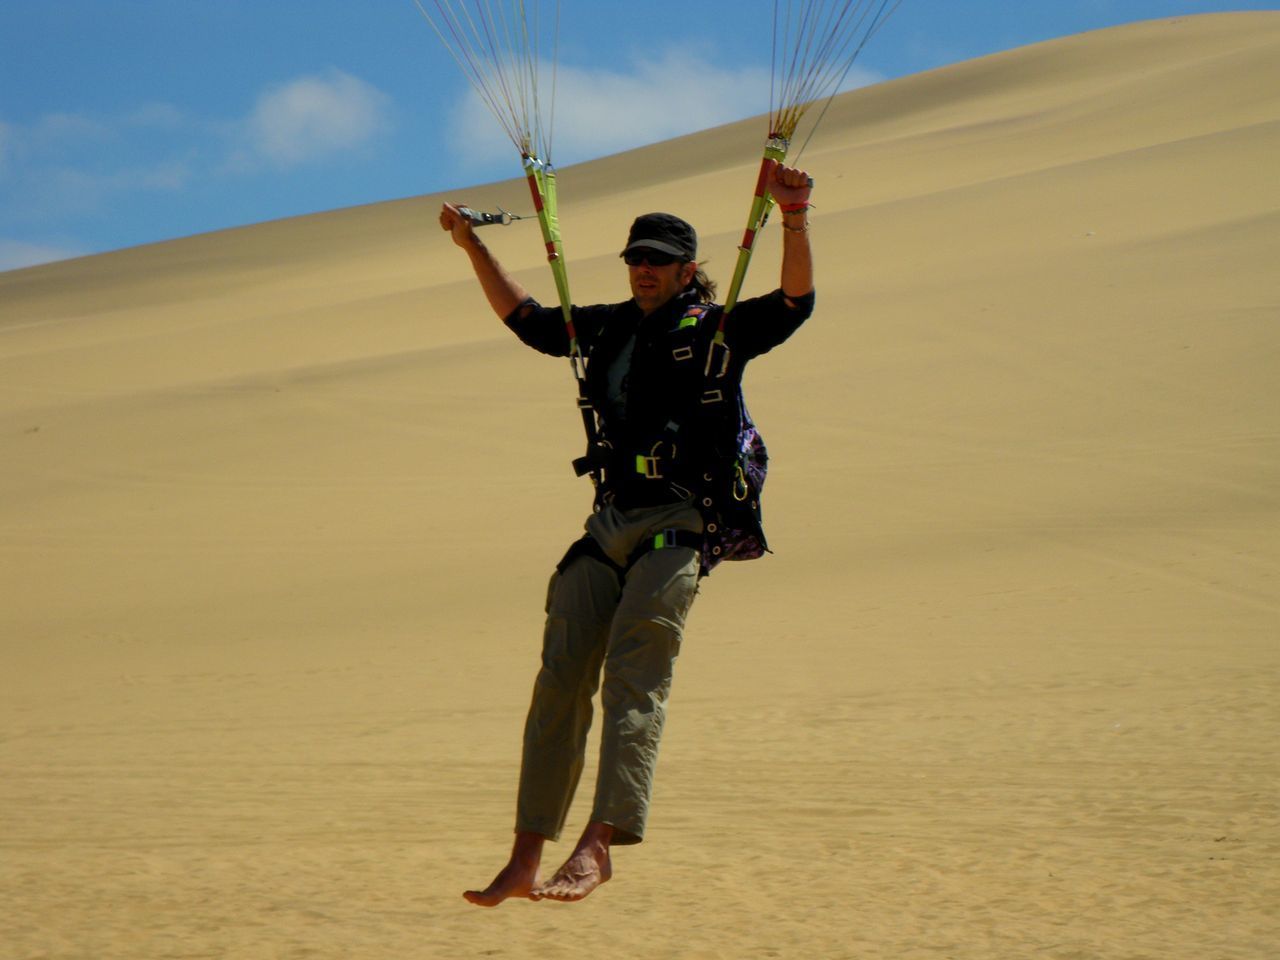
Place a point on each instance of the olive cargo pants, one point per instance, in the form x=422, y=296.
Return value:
x=631, y=629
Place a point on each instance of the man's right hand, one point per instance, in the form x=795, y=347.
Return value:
x=502, y=291
x=459, y=226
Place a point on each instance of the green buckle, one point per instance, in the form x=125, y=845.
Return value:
x=649, y=466
x=667, y=538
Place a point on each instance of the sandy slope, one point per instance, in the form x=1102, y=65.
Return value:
x=277, y=507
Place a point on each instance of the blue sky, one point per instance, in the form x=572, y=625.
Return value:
x=131, y=121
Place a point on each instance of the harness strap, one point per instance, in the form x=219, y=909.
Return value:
x=668, y=539
x=586, y=546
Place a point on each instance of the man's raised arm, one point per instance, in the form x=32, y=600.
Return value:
x=790, y=188
x=502, y=291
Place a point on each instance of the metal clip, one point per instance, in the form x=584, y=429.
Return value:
x=724, y=363
x=740, y=489
x=480, y=219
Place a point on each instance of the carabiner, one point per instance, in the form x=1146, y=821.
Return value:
x=740, y=488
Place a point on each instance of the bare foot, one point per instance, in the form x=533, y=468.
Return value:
x=587, y=867
x=517, y=879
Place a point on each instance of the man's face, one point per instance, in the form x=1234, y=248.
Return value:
x=652, y=286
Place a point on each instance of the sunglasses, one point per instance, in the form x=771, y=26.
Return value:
x=654, y=258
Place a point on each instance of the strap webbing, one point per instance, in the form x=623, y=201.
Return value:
x=542, y=187
x=775, y=148
x=665, y=540
x=586, y=546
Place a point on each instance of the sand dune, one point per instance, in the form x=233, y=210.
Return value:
x=278, y=504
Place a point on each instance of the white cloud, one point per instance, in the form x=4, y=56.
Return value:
x=60, y=192
x=157, y=115
x=598, y=112
x=604, y=111
x=16, y=254
x=861, y=77
x=314, y=117
x=57, y=131
x=67, y=167
x=61, y=140
x=62, y=166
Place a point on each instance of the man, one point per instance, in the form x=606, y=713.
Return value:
x=673, y=498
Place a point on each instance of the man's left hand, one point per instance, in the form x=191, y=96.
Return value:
x=789, y=184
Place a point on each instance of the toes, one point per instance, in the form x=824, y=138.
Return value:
x=562, y=892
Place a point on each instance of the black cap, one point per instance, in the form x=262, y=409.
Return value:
x=665, y=232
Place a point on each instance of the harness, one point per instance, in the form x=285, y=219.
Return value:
x=712, y=455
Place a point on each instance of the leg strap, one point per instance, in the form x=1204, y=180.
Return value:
x=666, y=540
x=587, y=547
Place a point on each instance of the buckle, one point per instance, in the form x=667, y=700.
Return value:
x=665, y=539
x=650, y=466
x=710, y=369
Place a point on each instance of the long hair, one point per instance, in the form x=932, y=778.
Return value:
x=703, y=286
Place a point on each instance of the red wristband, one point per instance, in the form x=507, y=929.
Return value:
x=800, y=207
